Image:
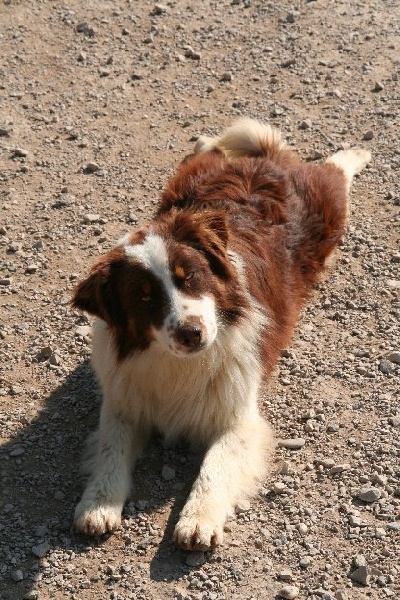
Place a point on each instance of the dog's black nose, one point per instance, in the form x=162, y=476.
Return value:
x=189, y=336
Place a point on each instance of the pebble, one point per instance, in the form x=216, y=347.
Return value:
x=369, y=494
x=305, y=562
x=20, y=153
x=278, y=487
x=302, y=528
x=83, y=331
x=361, y=575
x=91, y=218
x=4, y=132
x=292, y=443
x=285, y=575
x=191, y=53
x=394, y=357
x=41, y=549
x=289, y=592
x=378, y=87
x=339, y=468
x=17, y=575
x=306, y=124
x=6, y=281
x=92, y=167
x=32, y=268
x=195, y=559
x=168, y=473
x=385, y=366
x=368, y=135
x=227, y=76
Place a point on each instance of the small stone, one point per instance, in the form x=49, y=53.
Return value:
x=285, y=575
x=368, y=135
x=17, y=575
x=59, y=495
x=341, y=595
x=339, y=468
x=333, y=427
x=292, y=443
x=369, y=494
x=394, y=357
x=195, y=559
x=44, y=353
x=20, y=153
x=16, y=390
x=302, y=528
x=306, y=124
x=380, y=533
x=159, y=9
x=305, y=562
x=289, y=592
x=81, y=56
x=4, y=132
x=191, y=53
x=361, y=575
x=92, y=167
x=6, y=281
x=141, y=504
x=32, y=268
x=132, y=217
x=359, y=560
x=378, y=87
x=394, y=421
x=168, y=473
x=39, y=245
x=41, y=549
x=91, y=218
x=83, y=331
x=227, y=76
x=17, y=452
x=288, y=63
x=278, y=487
x=85, y=29
x=385, y=366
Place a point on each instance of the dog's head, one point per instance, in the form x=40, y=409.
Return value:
x=171, y=284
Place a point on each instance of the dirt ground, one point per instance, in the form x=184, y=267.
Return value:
x=99, y=101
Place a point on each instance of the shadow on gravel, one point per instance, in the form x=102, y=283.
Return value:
x=40, y=485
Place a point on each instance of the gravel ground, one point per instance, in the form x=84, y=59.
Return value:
x=99, y=102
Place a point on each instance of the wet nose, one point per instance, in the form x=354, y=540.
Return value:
x=188, y=336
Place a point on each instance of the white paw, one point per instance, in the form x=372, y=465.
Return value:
x=96, y=520
x=197, y=533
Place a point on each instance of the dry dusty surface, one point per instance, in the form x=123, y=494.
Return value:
x=99, y=102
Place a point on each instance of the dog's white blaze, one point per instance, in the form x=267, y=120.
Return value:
x=153, y=255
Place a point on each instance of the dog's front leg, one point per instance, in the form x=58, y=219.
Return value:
x=231, y=471
x=118, y=445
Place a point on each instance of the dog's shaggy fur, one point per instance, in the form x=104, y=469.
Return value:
x=193, y=312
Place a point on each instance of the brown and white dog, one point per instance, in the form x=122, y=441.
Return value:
x=194, y=310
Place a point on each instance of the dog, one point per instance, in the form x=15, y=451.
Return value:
x=193, y=311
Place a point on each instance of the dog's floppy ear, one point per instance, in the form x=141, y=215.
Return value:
x=208, y=233
x=93, y=294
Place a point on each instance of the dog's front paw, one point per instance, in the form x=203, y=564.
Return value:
x=197, y=532
x=96, y=520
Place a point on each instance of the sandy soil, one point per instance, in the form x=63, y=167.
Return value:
x=99, y=101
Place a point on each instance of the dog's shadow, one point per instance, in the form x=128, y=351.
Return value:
x=40, y=486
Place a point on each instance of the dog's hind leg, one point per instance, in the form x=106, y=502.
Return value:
x=351, y=162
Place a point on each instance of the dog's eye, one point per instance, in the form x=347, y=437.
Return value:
x=145, y=298
x=189, y=276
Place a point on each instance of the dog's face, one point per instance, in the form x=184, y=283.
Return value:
x=171, y=284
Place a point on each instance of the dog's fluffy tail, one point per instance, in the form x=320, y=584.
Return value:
x=246, y=137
